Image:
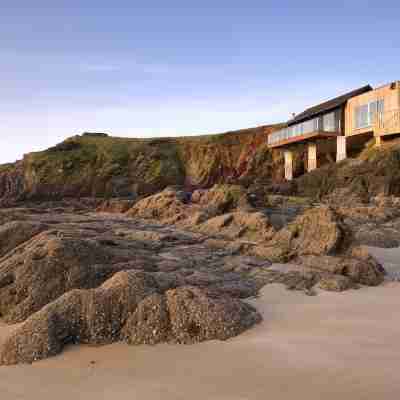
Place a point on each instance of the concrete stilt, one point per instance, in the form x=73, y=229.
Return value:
x=312, y=157
x=288, y=165
x=341, y=150
x=378, y=141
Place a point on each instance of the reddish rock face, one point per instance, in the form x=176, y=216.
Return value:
x=12, y=184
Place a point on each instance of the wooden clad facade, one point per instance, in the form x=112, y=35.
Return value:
x=381, y=121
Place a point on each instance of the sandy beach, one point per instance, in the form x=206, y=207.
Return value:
x=334, y=345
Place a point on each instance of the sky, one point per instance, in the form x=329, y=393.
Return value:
x=165, y=68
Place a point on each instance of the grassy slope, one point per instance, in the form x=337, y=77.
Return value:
x=110, y=166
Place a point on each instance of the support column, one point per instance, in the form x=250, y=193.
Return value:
x=312, y=157
x=288, y=165
x=378, y=141
x=341, y=150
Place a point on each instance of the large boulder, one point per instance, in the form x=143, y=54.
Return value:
x=335, y=283
x=316, y=232
x=46, y=267
x=222, y=197
x=165, y=207
x=189, y=315
x=127, y=306
x=239, y=224
x=14, y=233
x=359, y=268
x=80, y=316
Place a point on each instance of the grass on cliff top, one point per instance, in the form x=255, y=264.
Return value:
x=104, y=157
x=6, y=167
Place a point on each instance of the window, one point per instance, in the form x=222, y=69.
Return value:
x=329, y=122
x=364, y=116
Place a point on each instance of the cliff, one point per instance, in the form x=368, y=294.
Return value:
x=97, y=165
x=103, y=166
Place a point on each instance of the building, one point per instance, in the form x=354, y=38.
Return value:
x=365, y=111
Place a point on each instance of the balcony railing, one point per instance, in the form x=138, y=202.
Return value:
x=327, y=123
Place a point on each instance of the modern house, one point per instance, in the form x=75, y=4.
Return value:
x=364, y=111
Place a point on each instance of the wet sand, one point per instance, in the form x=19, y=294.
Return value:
x=330, y=346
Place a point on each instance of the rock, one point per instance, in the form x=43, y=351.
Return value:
x=283, y=188
x=222, y=198
x=345, y=196
x=47, y=267
x=240, y=224
x=189, y=315
x=73, y=276
x=150, y=323
x=316, y=232
x=164, y=207
x=365, y=271
x=336, y=283
x=12, y=184
x=80, y=316
x=116, y=206
x=299, y=280
x=12, y=234
x=127, y=306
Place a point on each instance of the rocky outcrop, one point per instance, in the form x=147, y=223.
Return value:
x=222, y=198
x=188, y=315
x=80, y=316
x=316, y=232
x=165, y=207
x=118, y=206
x=206, y=212
x=336, y=283
x=374, y=171
x=70, y=276
x=12, y=234
x=98, y=316
x=252, y=226
x=364, y=271
x=46, y=267
x=79, y=278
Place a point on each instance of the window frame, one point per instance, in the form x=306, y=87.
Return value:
x=378, y=104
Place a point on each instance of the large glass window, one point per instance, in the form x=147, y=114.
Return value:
x=364, y=116
x=329, y=122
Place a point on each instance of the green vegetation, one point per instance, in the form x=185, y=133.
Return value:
x=101, y=165
x=6, y=167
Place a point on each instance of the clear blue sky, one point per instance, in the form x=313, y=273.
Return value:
x=158, y=68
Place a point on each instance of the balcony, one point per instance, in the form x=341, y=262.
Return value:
x=327, y=125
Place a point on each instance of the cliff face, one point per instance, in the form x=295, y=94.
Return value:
x=12, y=182
x=95, y=165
